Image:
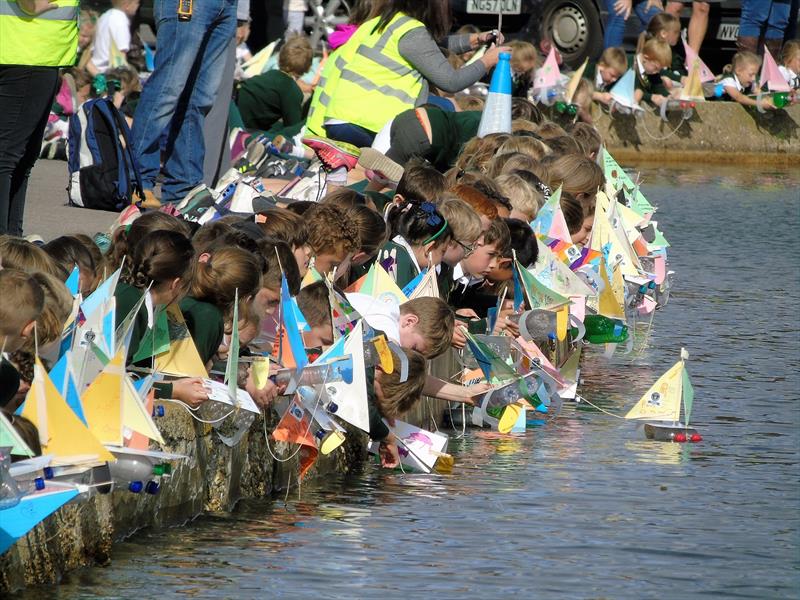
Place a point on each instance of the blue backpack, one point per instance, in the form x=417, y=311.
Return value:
x=103, y=174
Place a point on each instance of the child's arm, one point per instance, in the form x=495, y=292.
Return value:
x=603, y=97
x=453, y=392
x=746, y=100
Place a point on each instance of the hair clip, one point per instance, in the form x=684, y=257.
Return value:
x=430, y=209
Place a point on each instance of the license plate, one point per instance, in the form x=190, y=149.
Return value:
x=489, y=7
x=728, y=32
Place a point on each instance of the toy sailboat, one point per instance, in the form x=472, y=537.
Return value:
x=660, y=406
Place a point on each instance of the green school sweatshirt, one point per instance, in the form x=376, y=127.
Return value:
x=206, y=325
x=268, y=98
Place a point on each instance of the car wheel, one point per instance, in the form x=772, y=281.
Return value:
x=324, y=16
x=575, y=28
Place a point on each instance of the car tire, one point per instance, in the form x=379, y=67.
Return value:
x=323, y=16
x=575, y=28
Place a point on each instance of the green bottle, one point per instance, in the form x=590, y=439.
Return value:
x=602, y=330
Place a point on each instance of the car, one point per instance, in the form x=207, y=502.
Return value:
x=576, y=27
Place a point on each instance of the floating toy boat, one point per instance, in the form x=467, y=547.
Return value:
x=660, y=406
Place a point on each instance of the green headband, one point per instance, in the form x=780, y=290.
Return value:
x=437, y=234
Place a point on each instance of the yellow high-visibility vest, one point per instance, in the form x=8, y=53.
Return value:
x=46, y=40
x=376, y=83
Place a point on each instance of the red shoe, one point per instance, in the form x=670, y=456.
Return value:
x=333, y=155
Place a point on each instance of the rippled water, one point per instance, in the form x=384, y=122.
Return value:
x=581, y=508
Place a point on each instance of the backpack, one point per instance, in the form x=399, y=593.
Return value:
x=103, y=174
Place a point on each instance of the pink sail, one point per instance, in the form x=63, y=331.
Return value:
x=548, y=74
x=771, y=75
x=691, y=56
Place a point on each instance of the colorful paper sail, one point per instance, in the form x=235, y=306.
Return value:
x=102, y=402
x=662, y=402
x=348, y=401
x=9, y=437
x=63, y=378
x=156, y=339
x=537, y=293
x=608, y=303
x=295, y=428
x=622, y=182
x=32, y=509
x=101, y=295
x=428, y=287
x=496, y=116
x=258, y=62
x=771, y=75
x=343, y=315
x=623, y=90
x=61, y=432
x=380, y=285
x=149, y=57
x=136, y=418
x=572, y=86
x=419, y=450
x=556, y=275
x=692, y=59
x=311, y=276
x=181, y=358
x=73, y=282
x=548, y=75
x=328, y=433
x=291, y=352
x=693, y=87
x=232, y=362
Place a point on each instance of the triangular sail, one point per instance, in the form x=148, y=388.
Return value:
x=662, y=402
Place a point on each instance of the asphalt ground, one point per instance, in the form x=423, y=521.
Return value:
x=46, y=210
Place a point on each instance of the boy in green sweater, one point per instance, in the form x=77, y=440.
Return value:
x=274, y=96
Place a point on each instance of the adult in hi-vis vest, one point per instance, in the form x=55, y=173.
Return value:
x=36, y=38
x=387, y=64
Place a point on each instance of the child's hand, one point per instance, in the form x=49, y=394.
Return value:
x=623, y=8
x=265, y=396
x=768, y=103
x=604, y=97
x=190, y=390
x=387, y=450
x=459, y=339
x=503, y=324
x=470, y=391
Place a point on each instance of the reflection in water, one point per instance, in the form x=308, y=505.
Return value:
x=584, y=506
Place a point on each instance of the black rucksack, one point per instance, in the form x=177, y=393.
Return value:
x=102, y=169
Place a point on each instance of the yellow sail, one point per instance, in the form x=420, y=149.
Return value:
x=182, y=359
x=693, y=88
x=61, y=432
x=102, y=402
x=379, y=284
x=428, y=287
x=134, y=415
x=603, y=232
x=608, y=304
x=662, y=402
x=116, y=58
x=572, y=86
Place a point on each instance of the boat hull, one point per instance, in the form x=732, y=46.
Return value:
x=666, y=433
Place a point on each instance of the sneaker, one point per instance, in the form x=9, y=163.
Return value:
x=237, y=141
x=253, y=158
x=333, y=155
x=382, y=166
x=149, y=201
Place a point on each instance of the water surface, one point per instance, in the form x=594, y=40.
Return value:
x=584, y=507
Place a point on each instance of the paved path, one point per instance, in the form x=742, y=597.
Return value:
x=46, y=211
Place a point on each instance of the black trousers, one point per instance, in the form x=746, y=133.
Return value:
x=26, y=95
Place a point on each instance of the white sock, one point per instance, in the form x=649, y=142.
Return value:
x=337, y=177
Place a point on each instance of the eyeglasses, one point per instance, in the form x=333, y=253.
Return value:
x=468, y=248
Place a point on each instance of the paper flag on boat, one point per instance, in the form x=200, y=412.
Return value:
x=623, y=90
x=693, y=87
x=428, y=287
x=771, y=75
x=537, y=293
x=621, y=181
x=135, y=440
x=124, y=331
x=181, y=358
x=232, y=362
x=692, y=59
x=574, y=81
x=155, y=340
x=343, y=315
x=350, y=399
x=419, y=449
x=613, y=243
x=101, y=295
x=295, y=428
x=543, y=222
x=32, y=509
x=330, y=435
x=116, y=58
x=557, y=276
x=608, y=303
x=291, y=352
x=662, y=402
x=10, y=437
x=64, y=379
x=219, y=392
x=135, y=416
x=102, y=402
x=548, y=75
x=311, y=276
x=379, y=284
x=73, y=282
x=61, y=432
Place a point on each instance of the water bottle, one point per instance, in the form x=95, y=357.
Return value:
x=780, y=99
x=602, y=330
x=538, y=325
x=10, y=494
x=131, y=468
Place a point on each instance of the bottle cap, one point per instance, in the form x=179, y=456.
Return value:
x=135, y=486
x=152, y=488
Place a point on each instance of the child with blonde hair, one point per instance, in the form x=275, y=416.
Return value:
x=525, y=199
x=611, y=65
x=524, y=60
x=653, y=57
x=790, y=63
x=740, y=78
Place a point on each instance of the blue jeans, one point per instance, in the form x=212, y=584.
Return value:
x=758, y=15
x=615, y=26
x=189, y=60
x=352, y=134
